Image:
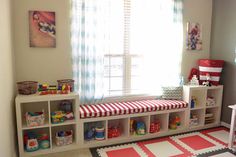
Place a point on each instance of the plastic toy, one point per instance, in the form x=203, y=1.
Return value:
x=155, y=127
x=44, y=141
x=114, y=132
x=31, y=142
x=193, y=102
x=89, y=134
x=140, y=128
x=99, y=133
x=57, y=117
x=64, y=89
x=175, y=122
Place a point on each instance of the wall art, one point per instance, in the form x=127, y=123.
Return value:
x=42, y=29
x=194, y=36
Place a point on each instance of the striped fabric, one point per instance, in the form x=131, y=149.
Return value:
x=212, y=68
x=120, y=108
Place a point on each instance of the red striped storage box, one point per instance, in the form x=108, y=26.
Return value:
x=211, y=67
x=120, y=108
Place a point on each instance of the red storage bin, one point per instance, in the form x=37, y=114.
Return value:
x=211, y=67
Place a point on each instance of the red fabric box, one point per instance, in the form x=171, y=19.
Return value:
x=211, y=67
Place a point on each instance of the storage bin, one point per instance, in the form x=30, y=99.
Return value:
x=27, y=87
x=35, y=119
x=69, y=82
x=64, y=138
x=211, y=67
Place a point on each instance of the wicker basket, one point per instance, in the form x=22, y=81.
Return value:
x=69, y=82
x=27, y=87
x=64, y=140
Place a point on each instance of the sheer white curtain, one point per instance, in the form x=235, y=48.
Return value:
x=157, y=35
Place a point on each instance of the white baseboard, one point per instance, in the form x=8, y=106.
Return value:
x=225, y=124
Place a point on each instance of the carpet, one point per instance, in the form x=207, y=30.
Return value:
x=204, y=143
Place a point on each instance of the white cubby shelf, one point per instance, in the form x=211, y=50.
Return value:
x=49, y=103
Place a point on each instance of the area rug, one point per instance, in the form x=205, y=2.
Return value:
x=204, y=143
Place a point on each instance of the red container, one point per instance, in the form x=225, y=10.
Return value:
x=212, y=68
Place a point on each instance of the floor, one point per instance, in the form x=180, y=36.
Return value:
x=75, y=153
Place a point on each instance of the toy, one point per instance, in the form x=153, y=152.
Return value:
x=57, y=117
x=193, y=102
x=132, y=126
x=155, y=127
x=66, y=106
x=194, y=80
x=193, y=120
x=64, y=89
x=175, y=122
x=44, y=141
x=99, y=133
x=113, y=132
x=194, y=72
x=31, y=142
x=140, y=128
x=207, y=82
x=210, y=101
x=89, y=134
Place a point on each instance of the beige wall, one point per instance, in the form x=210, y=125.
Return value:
x=7, y=114
x=197, y=11
x=44, y=64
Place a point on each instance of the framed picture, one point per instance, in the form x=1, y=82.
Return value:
x=194, y=36
x=42, y=29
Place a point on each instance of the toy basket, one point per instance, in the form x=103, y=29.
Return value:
x=35, y=119
x=69, y=82
x=64, y=138
x=211, y=67
x=27, y=87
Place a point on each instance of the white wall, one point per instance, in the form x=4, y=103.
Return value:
x=48, y=65
x=7, y=127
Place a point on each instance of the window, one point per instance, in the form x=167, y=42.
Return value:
x=140, y=46
x=125, y=47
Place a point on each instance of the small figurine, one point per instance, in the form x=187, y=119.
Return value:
x=194, y=80
x=193, y=102
x=207, y=82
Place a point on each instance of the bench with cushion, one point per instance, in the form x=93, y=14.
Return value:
x=129, y=107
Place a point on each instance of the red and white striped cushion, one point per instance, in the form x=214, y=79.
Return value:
x=119, y=108
x=211, y=67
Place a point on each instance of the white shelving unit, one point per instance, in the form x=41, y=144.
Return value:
x=47, y=103
x=200, y=108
